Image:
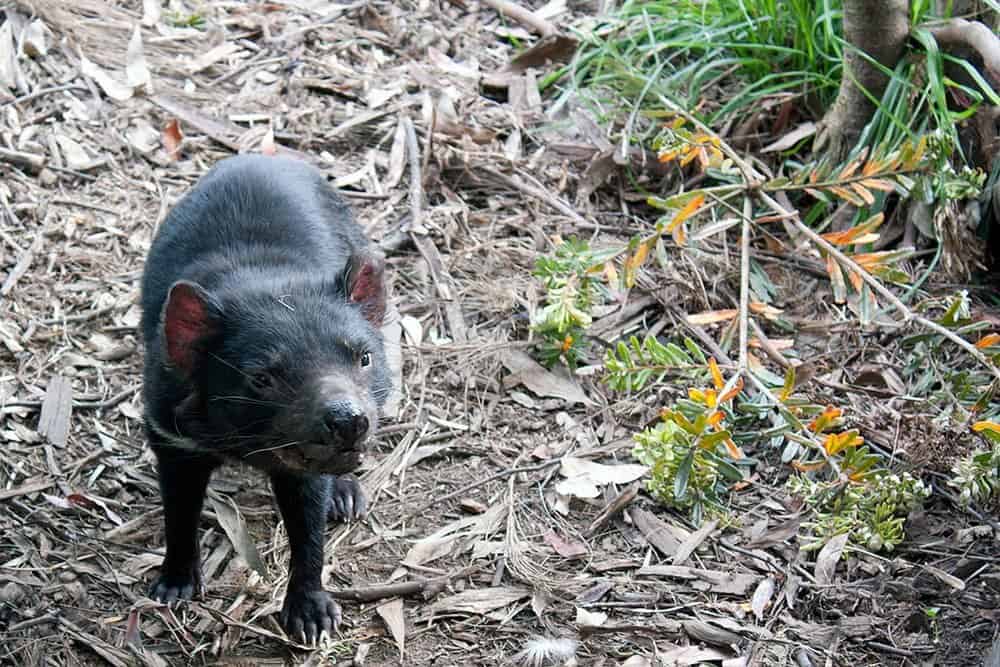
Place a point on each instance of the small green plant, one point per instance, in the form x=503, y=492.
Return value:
x=194, y=20
x=690, y=452
x=571, y=277
x=977, y=476
x=872, y=510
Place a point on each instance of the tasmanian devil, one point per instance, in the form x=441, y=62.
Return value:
x=262, y=303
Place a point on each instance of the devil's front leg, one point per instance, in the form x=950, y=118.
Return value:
x=308, y=610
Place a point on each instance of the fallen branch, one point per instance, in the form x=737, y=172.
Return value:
x=525, y=17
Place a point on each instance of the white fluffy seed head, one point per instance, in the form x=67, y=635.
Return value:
x=543, y=651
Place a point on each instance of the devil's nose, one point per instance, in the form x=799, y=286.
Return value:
x=344, y=421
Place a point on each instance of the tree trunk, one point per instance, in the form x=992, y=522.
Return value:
x=878, y=28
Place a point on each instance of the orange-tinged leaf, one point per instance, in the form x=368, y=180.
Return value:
x=717, y=379
x=765, y=309
x=823, y=421
x=715, y=419
x=808, y=467
x=849, y=170
x=732, y=393
x=879, y=184
x=611, y=273
x=847, y=195
x=680, y=235
x=711, y=316
x=734, y=451
x=993, y=427
x=686, y=211
x=567, y=343
x=836, y=279
x=776, y=343
x=815, y=193
x=856, y=280
x=988, y=340
x=863, y=192
x=667, y=156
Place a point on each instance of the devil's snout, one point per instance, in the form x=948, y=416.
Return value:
x=346, y=423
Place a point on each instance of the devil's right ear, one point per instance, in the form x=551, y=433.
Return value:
x=188, y=319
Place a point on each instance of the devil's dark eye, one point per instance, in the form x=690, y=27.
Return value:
x=365, y=359
x=261, y=380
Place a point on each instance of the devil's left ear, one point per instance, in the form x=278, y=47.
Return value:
x=366, y=284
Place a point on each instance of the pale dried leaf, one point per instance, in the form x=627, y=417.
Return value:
x=235, y=527
x=791, y=138
x=413, y=329
x=397, y=164
x=591, y=618
x=150, y=12
x=113, y=88
x=711, y=317
x=826, y=560
x=762, y=597
x=391, y=612
x=73, y=153
x=136, y=71
x=34, y=40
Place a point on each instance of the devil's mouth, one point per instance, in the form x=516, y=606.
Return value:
x=319, y=458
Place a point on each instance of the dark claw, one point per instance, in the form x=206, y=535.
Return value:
x=308, y=614
x=347, y=499
x=170, y=589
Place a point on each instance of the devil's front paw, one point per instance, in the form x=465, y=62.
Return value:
x=307, y=614
x=347, y=499
x=171, y=587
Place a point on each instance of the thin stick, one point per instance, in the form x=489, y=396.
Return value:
x=744, y=283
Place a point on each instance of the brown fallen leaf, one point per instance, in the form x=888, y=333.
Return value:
x=172, y=138
x=665, y=537
x=525, y=370
x=776, y=535
x=687, y=547
x=565, y=548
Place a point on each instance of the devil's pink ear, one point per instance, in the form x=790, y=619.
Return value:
x=366, y=284
x=187, y=321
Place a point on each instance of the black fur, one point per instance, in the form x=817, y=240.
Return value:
x=284, y=354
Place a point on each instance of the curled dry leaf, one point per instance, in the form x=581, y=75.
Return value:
x=172, y=138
